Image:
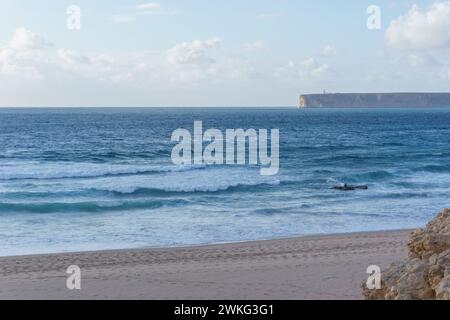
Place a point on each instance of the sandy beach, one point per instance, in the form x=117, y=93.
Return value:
x=314, y=267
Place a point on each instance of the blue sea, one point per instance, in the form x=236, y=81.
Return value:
x=90, y=179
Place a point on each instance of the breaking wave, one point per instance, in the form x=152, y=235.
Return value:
x=84, y=170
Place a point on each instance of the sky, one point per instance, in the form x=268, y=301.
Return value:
x=121, y=53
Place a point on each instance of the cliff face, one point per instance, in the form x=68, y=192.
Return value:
x=355, y=100
x=426, y=272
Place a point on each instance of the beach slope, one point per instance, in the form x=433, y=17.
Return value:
x=315, y=267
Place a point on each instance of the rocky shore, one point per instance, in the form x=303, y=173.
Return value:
x=425, y=274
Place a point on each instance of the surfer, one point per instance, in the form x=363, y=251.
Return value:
x=348, y=187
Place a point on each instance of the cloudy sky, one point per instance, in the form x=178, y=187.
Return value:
x=216, y=52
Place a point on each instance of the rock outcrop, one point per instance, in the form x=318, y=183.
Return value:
x=426, y=272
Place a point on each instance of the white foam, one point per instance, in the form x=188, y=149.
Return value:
x=210, y=180
x=60, y=170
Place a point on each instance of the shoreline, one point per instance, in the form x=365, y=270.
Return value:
x=310, y=267
x=205, y=245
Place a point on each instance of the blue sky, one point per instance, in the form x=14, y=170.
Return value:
x=217, y=53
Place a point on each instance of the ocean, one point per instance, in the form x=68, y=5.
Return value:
x=102, y=178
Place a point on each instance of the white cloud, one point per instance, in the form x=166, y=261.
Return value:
x=421, y=59
x=193, y=53
x=22, y=56
x=204, y=62
x=101, y=67
x=254, y=46
x=421, y=29
x=20, y=71
x=328, y=51
x=71, y=57
x=152, y=8
x=148, y=6
x=311, y=67
x=24, y=39
x=308, y=69
x=185, y=65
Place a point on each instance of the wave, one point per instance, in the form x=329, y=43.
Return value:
x=406, y=195
x=84, y=170
x=268, y=211
x=323, y=171
x=136, y=192
x=87, y=207
x=176, y=189
x=115, y=203
x=102, y=156
x=282, y=210
x=363, y=177
x=362, y=158
x=373, y=175
x=433, y=168
x=292, y=147
x=390, y=144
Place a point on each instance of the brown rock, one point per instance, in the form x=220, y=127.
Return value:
x=426, y=272
x=434, y=239
x=443, y=290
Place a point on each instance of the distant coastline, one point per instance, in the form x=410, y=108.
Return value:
x=376, y=100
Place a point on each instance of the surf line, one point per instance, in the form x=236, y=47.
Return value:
x=190, y=148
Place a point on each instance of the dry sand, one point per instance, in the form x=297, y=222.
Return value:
x=316, y=267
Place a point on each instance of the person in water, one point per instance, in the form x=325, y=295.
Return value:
x=347, y=187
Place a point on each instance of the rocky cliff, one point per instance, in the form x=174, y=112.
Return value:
x=374, y=100
x=426, y=272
